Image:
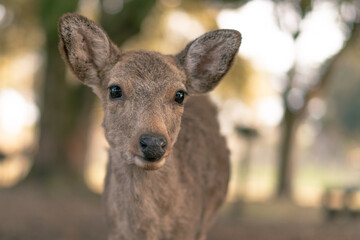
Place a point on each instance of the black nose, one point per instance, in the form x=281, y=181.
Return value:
x=153, y=146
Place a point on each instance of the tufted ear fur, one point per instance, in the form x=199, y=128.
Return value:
x=84, y=46
x=208, y=58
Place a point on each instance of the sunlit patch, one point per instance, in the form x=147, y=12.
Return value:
x=96, y=159
x=308, y=195
x=17, y=119
x=18, y=114
x=15, y=112
x=269, y=111
x=263, y=42
x=2, y=13
x=321, y=36
x=22, y=69
x=270, y=49
x=95, y=174
x=13, y=169
x=258, y=187
x=182, y=27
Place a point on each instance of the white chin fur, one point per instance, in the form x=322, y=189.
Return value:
x=146, y=165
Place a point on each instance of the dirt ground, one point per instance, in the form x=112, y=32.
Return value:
x=29, y=212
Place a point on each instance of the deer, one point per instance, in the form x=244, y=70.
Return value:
x=168, y=167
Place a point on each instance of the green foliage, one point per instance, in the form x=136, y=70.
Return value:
x=305, y=6
x=128, y=21
x=51, y=11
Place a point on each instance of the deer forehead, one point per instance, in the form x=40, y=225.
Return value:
x=149, y=73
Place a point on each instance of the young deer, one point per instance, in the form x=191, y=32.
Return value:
x=168, y=165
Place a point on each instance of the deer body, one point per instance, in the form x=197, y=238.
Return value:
x=168, y=165
x=191, y=189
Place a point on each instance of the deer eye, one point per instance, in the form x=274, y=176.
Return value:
x=180, y=96
x=115, y=92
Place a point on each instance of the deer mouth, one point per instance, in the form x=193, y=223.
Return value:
x=149, y=164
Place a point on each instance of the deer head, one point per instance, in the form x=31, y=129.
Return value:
x=142, y=92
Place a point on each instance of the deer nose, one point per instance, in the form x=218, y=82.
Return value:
x=153, y=146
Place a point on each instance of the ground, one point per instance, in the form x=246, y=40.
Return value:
x=32, y=212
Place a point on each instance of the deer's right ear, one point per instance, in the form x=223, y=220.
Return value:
x=208, y=58
x=84, y=46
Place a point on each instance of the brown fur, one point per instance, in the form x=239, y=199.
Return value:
x=179, y=198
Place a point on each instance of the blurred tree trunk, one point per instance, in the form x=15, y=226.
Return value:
x=293, y=117
x=56, y=105
x=284, y=187
x=65, y=107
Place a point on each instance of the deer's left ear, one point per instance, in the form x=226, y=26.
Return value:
x=208, y=58
x=85, y=47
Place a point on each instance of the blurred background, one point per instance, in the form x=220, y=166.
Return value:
x=289, y=108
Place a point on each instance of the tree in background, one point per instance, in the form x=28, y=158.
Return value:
x=55, y=96
x=297, y=96
x=303, y=82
